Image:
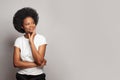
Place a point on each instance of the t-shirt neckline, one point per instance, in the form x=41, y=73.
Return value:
x=26, y=38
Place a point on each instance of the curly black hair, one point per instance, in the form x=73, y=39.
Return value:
x=21, y=14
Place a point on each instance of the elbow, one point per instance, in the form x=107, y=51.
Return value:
x=38, y=62
x=15, y=64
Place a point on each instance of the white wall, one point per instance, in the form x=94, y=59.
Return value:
x=82, y=35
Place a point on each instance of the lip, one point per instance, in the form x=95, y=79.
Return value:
x=31, y=29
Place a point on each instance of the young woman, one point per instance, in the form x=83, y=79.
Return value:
x=29, y=49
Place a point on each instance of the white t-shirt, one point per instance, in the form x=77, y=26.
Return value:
x=26, y=54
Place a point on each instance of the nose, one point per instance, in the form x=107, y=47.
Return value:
x=32, y=25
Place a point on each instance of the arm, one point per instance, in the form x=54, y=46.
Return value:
x=37, y=55
x=41, y=51
x=18, y=62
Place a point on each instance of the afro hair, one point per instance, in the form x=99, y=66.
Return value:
x=21, y=14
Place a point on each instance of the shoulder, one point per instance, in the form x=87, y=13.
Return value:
x=18, y=41
x=40, y=39
x=40, y=36
x=19, y=38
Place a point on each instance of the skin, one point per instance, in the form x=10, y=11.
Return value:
x=38, y=55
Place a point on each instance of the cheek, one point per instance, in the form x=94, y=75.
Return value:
x=25, y=27
x=34, y=27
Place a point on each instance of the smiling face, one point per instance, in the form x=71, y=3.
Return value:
x=29, y=25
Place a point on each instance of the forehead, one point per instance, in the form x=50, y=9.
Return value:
x=28, y=19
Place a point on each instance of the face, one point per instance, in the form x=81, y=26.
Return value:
x=28, y=25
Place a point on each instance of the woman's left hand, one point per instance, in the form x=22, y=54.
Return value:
x=31, y=36
x=43, y=63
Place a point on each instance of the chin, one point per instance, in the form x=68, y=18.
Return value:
x=29, y=32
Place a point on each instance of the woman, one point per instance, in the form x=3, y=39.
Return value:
x=29, y=49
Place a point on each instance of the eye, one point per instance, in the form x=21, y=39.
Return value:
x=33, y=22
x=27, y=24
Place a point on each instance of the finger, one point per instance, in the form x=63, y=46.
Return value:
x=34, y=32
x=29, y=35
x=44, y=62
x=42, y=65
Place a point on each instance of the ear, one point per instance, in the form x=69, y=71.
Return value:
x=22, y=27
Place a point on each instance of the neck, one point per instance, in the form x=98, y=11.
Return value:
x=26, y=35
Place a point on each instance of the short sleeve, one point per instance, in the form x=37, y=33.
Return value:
x=42, y=40
x=17, y=43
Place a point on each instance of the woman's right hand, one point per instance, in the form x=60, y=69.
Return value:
x=43, y=63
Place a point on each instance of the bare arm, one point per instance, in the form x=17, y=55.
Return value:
x=18, y=62
x=37, y=55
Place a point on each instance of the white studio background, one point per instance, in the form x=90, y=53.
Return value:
x=83, y=38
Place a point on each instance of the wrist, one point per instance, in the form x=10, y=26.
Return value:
x=31, y=41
